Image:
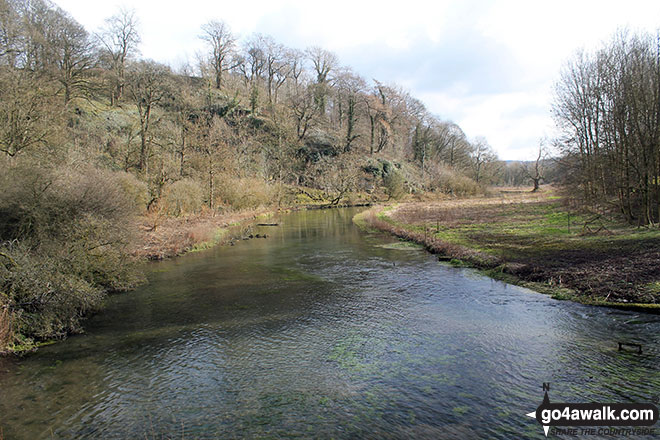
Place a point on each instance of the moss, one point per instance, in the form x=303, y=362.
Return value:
x=24, y=345
x=460, y=410
x=402, y=245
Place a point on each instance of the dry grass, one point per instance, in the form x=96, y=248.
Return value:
x=456, y=211
x=6, y=332
x=177, y=235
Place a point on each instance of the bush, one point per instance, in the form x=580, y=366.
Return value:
x=44, y=298
x=448, y=181
x=135, y=190
x=63, y=245
x=246, y=193
x=395, y=186
x=183, y=197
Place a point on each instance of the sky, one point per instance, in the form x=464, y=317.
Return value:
x=489, y=66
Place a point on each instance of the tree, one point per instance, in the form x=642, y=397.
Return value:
x=27, y=117
x=148, y=86
x=323, y=62
x=252, y=65
x=483, y=157
x=221, y=43
x=304, y=110
x=607, y=107
x=72, y=51
x=277, y=67
x=11, y=34
x=210, y=142
x=349, y=87
x=120, y=39
x=535, y=171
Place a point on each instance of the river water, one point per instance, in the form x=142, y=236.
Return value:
x=323, y=331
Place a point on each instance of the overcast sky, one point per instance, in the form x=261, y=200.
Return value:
x=487, y=65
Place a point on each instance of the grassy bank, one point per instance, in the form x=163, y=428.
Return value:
x=175, y=236
x=535, y=240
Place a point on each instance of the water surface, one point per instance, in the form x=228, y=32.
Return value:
x=323, y=331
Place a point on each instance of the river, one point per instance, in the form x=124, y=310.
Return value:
x=324, y=331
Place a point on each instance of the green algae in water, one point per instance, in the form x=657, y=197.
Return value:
x=402, y=246
x=461, y=410
x=288, y=274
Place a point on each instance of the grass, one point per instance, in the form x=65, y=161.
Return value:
x=178, y=235
x=217, y=236
x=533, y=239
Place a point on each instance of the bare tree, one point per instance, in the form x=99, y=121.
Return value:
x=482, y=157
x=607, y=106
x=535, y=171
x=27, y=117
x=11, y=35
x=72, y=55
x=120, y=39
x=148, y=86
x=323, y=63
x=304, y=110
x=221, y=41
x=349, y=87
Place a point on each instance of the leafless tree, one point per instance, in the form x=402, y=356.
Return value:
x=148, y=86
x=482, y=157
x=349, y=87
x=535, y=171
x=120, y=39
x=221, y=42
x=72, y=52
x=607, y=106
x=323, y=62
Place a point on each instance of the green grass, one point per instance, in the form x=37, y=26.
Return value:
x=218, y=236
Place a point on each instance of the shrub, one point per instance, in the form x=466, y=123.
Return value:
x=63, y=244
x=135, y=190
x=452, y=182
x=183, y=197
x=395, y=186
x=245, y=193
x=45, y=299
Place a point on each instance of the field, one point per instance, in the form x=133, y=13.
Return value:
x=535, y=239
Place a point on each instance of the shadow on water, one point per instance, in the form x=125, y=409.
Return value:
x=324, y=331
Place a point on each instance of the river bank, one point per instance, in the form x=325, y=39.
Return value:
x=535, y=240
x=174, y=236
